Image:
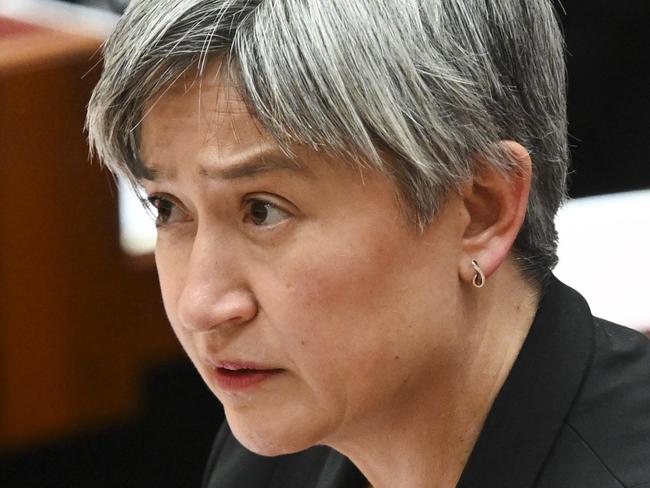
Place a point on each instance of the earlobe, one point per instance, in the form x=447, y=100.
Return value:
x=496, y=203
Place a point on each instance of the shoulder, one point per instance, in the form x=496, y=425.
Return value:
x=605, y=440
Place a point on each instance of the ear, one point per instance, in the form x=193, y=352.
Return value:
x=496, y=204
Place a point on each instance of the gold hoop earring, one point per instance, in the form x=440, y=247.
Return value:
x=479, y=278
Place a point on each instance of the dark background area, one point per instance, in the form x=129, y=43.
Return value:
x=609, y=106
x=167, y=444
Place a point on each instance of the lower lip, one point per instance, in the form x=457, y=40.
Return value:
x=242, y=379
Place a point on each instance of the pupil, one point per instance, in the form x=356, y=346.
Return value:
x=259, y=212
x=164, y=211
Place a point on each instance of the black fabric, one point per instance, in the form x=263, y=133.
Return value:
x=574, y=412
x=530, y=409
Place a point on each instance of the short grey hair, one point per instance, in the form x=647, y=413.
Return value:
x=434, y=83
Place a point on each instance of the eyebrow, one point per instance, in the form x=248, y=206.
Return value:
x=255, y=166
x=154, y=173
x=248, y=169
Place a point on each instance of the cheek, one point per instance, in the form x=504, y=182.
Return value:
x=357, y=315
x=335, y=290
x=360, y=286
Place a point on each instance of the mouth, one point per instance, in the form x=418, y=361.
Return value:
x=232, y=376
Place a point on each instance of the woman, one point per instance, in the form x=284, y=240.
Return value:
x=355, y=205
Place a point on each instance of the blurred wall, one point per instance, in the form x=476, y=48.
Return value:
x=79, y=322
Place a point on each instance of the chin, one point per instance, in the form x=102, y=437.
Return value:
x=275, y=437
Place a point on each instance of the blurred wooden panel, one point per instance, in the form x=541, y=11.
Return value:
x=15, y=28
x=78, y=321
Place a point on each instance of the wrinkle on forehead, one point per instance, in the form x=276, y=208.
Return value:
x=205, y=120
x=222, y=117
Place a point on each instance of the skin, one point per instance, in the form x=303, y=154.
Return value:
x=388, y=353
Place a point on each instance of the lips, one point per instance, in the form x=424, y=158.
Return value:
x=236, y=376
x=240, y=365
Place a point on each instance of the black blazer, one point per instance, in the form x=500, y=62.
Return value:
x=574, y=412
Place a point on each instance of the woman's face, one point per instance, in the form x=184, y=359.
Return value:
x=308, y=304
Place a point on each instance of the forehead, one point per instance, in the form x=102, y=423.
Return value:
x=207, y=113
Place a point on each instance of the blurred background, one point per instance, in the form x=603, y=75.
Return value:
x=94, y=390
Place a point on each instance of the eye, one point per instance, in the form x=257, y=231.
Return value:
x=165, y=210
x=264, y=213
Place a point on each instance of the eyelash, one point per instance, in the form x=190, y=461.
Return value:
x=268, y=207
x=157, y=204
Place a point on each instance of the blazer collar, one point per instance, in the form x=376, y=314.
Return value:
x=529, y=411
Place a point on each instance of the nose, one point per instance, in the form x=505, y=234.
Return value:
x=214, y=293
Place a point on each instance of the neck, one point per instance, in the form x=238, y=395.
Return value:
x=427, y=441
